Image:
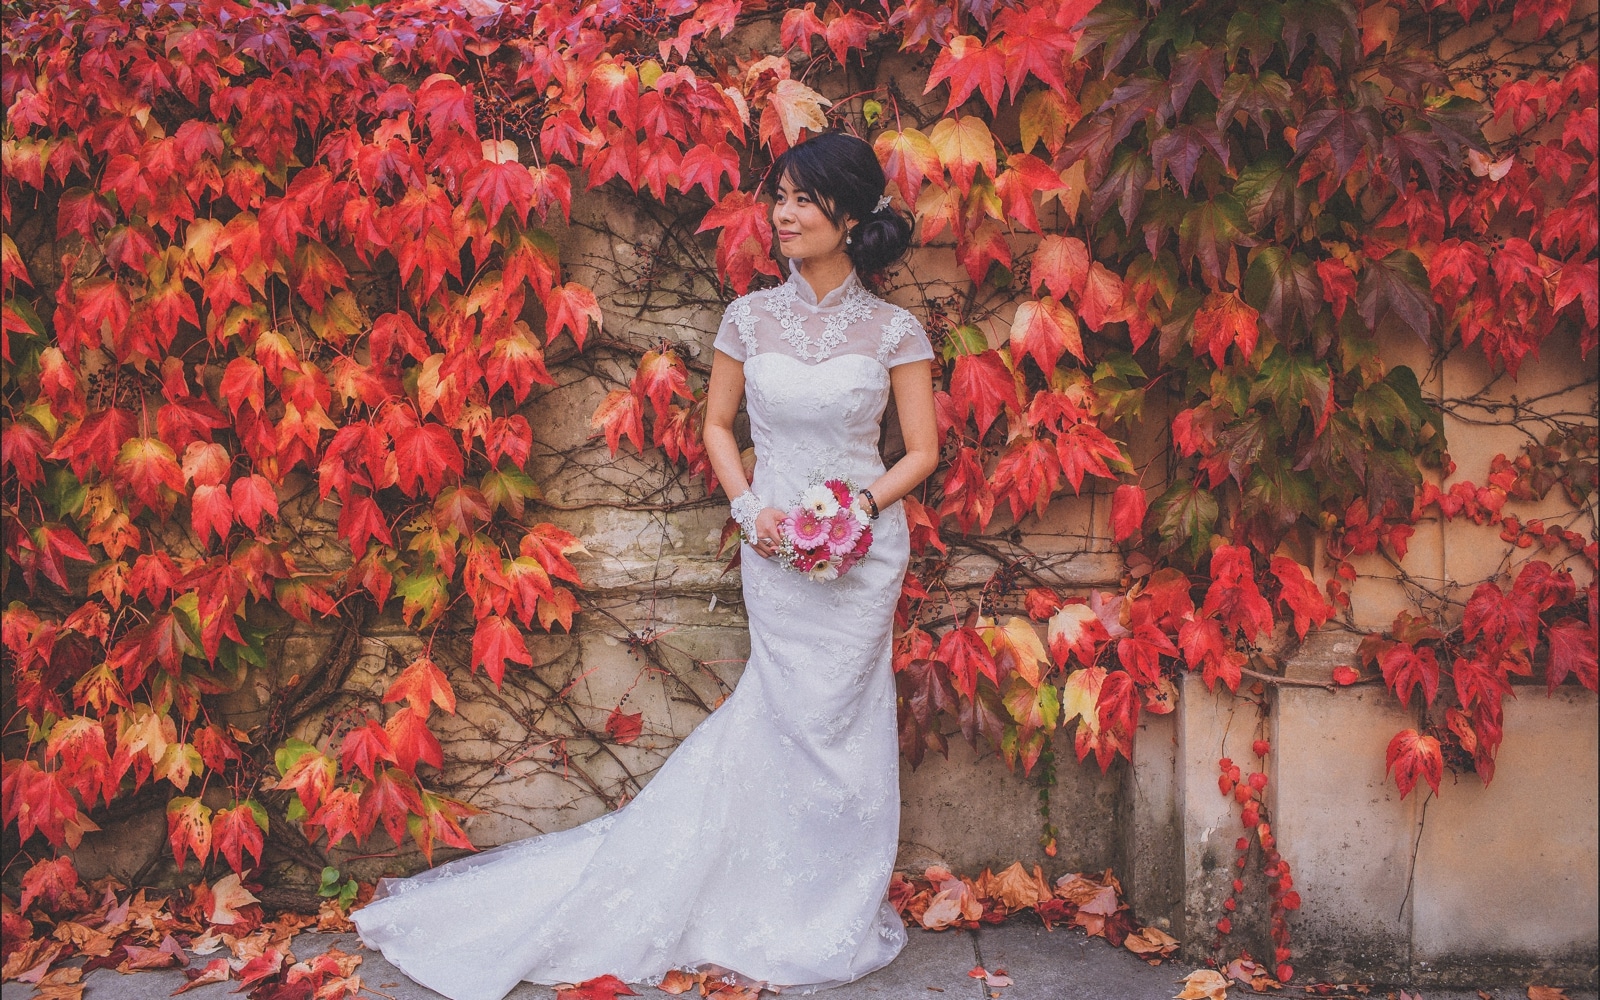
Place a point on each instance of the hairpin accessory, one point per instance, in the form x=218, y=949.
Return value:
x=883, y=203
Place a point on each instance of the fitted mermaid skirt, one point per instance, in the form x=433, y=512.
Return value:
x=762, y=848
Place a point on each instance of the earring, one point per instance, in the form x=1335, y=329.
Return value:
x=847, y=239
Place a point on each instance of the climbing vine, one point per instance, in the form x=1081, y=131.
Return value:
x=262, y=258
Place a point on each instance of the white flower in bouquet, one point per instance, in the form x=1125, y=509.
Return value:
x=824, y=570
x=820, y=501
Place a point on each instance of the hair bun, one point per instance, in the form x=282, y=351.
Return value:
x=880, y=240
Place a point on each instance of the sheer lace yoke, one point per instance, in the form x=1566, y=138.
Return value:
x=849, y=320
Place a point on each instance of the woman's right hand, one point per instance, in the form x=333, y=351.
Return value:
x=767, y=532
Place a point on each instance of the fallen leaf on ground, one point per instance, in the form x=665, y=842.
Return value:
x=1546, y=993
x=216, y=971
x=1150, y=941
x=997, y=978
x=31, y=959
x=228, y=896
x=62, y=984
x=977, y=972
x=607, y=987
x=1204, y=984
x=677, y=981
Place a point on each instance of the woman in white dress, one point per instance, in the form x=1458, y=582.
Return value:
x=762, y=848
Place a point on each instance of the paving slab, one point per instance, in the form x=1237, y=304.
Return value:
x=1043, y=965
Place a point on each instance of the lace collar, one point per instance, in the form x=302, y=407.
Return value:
x=849, y=288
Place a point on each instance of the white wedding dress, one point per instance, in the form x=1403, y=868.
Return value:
x=762, y=848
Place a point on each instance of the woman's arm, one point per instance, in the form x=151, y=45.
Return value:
x=913, y=400
x=723, y=394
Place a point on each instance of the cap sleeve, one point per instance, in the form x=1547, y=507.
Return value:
x=904, y=340
x=736, y=337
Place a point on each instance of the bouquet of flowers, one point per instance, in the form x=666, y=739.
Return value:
x=827, y=532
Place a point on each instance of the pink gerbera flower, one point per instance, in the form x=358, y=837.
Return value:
x=843, y=530
x=805, y=529
x=841, y=491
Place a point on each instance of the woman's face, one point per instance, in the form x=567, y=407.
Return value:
x=801, y=227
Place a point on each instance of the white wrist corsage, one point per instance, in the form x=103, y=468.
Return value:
x=744, y=509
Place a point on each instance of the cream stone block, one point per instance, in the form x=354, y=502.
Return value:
x=1340, y=822
x=1510, y=870
x=970, y=812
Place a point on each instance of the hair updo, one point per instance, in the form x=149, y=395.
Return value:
x=842, y=175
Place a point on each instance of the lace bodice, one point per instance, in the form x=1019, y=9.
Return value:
x=817, y=378
x=791, y=320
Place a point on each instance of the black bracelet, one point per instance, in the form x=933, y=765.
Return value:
x=873, y=501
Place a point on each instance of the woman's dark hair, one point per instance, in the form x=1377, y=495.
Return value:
x=841, y=174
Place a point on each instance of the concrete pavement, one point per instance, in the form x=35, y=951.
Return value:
x=1044, y=965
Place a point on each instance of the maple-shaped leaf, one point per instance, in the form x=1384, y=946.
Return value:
x=495, y=641
x=1300, y=594
x=966, y=491
x=443, y=102
x=52, y=882
x=146, y=467
x=1208, y=233
x=253, y=498
x=1501, y=619
x=1406, y=666
x=53, y=545
x=1026, y=475
x=660, y=376
x=239, y=830
x=188, y=829
x=967, y=655
x=95, y=442
x=799, y=26
x=1412, y=755
x=1284, y=287
x=1140, y=653
x=982, y=384
x=744, y=245
x=422, y=684
x=1017, y=650
x=907, y=157
x=791, y=108
x=1128, y=507
x=1572, y=651
x=570, y=307
x=425, y=453
x=339, y=817
x=964, y=145
x=621, y=412
x=969, y=65
x=550, y=545
x=441, y=820
x=707, y=165
x=412, y=741
x=1224, y=320
x=1043, y=329
x=1062, y=263
x=1077, y=631
x=393, y=797
x=1205, y=649
x=557, y=609
x=305, y=770
x=1085, y=449
x=499, y=182
x=1233, y=592
x=1396, y=285
x=624, y=727
x=363, y=747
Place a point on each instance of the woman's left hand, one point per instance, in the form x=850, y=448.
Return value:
x=767, y=532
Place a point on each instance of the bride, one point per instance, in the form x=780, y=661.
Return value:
x=762, y=849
